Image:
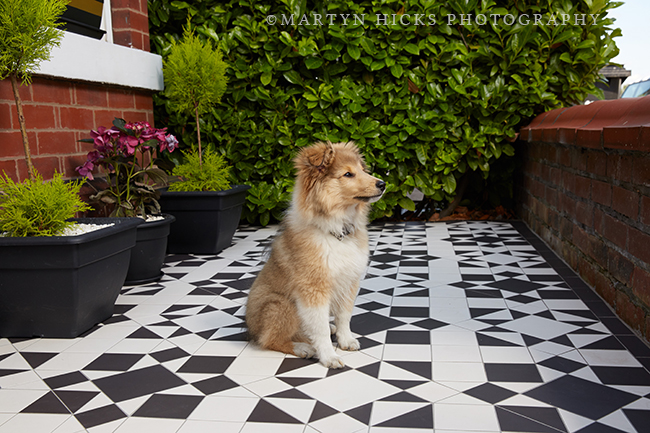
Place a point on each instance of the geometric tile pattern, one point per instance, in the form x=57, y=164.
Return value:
x=464, y=326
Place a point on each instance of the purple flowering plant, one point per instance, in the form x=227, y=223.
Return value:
x=125, y=153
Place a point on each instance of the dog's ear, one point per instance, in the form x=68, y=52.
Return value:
x=315, y=159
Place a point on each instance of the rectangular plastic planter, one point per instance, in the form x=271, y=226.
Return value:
x=61, y=286
x=205, y=220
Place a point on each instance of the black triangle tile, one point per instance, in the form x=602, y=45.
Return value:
x=204, y=334
x=48, y=403
x=290, y=364
x=206, y=364
x=143, y=332
x=241, y=336
x=608, y=343
x=163, y=323
x=372, y=306
x=563, y=340
x=530, y=419
x=545, y=314
x=176, y=275
x=371, y=370
x=334, y=371
x=429, y=324
x=215, y=384
x=495, y=323
x=531, y=341
x=231, y=311
x=404, y=397
x=405, y=384
x=100, y=415
x=180, y=332
x=517, y=314
x=36, y=359
x=169, y=354
x=114, y=362
x=424, y=293
x=562, y=364
x=483, y=293
x=265, y=412
x=478, y=312
x=421, y=419
x=64, y=380
x=361, y=413
x=168, y=406
x=297, y=381
x=291, y=393
x=321, y=410
x=75, y=400
x=416, y=367
x=208, y=309
x=8, y=372
x=490, y=393
x=488, y=340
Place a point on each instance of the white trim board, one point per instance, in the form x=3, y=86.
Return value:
x=83, y=58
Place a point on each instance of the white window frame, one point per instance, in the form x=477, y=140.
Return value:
x=101, y=61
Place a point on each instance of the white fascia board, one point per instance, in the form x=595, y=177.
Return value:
x=86, y=59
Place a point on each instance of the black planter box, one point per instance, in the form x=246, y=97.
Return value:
x=205, y=220
x=148, y=254
x=61, y=286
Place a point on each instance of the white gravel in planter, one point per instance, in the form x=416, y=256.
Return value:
x=151, y=218
x=80, y=229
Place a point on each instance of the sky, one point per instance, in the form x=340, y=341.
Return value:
x=634, y=45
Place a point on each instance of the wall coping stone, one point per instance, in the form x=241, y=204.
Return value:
x=614, y=124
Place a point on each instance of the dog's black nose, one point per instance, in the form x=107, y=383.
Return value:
x=381, y=185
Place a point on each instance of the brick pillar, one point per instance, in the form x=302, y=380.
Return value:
x=131, y=23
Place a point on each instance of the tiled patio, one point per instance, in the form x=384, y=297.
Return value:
x=464, y=327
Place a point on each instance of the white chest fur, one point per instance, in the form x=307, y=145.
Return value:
x=346, y=260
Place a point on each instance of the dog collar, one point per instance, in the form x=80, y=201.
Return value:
x=347, y=229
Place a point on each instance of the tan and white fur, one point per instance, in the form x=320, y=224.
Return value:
x=318, y=258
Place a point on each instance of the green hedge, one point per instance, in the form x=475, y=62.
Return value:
x=426, y=101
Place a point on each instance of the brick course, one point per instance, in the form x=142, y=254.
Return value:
x=54, y=128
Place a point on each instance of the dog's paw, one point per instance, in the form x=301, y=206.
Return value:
x=333, y=362
x=332, y=328
x=303, y=350
x=349, y=343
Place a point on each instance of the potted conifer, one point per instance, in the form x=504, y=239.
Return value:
x=51, y=284
x=207, y=208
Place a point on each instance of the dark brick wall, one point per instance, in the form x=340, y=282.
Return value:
x=584, y=187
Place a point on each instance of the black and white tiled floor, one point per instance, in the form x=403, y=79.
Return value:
x=465, y=327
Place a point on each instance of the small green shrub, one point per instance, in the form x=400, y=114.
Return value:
x=28, y=32
x=37, y=208
x=212, y=175
x=195, y=78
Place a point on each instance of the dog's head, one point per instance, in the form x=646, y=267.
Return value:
x=333, y=176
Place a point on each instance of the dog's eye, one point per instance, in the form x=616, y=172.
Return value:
x=348, y=174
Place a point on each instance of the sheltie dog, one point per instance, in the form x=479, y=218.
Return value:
x=318, y=257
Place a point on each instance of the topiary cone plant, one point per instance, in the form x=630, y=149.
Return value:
x=195, y=78
x=28, y=32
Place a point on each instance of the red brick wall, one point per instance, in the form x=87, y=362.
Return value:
x=585, y=189
x=131, y=23
x=58, y=114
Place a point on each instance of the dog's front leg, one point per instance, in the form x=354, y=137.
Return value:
x=342, y=315
x=315, y=325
